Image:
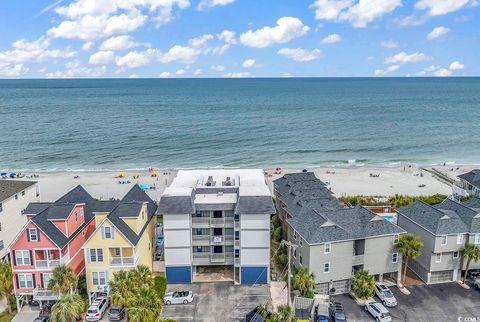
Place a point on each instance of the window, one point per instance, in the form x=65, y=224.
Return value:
x=295, y=253
x=22, y=257
x=96, y=255
x=32, y=234
x=294, y=235
x=45, y=279
x=23, y=193
x=438, y=258
x=118, y=252
x=301, y=241
x=236, y=217
x=107, y=232
x=477, y=236
x=395, y=258
x=237, y=253
x=99, y=278
x=237, y=235
x=455, y=255
x=16, y=196
x=444, y=240
x=395, y=239
x=217, y=214
x=459, y=239
x=76, y=217
x=327, y=248
x=25, y=280
x=326, y=268
x=300, y=260
x=83, y=233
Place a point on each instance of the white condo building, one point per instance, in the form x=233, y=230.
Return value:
x=217, y=219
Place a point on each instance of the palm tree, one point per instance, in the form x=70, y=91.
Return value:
x=63, y=280
x=363, y=284
x=68, y=309
x=6, y=282
x=145, y=307
x=141, y=277
x=410, y=246
x=120, y=288
x=303, y=280
x=284, y=314
x=472, y=253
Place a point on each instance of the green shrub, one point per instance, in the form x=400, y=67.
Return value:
x=160, y=285
x=276, y=222
x=277, y=234
x=363, y=284
x=281, y=260
x=309, y=294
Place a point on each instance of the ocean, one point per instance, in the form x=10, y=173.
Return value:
x=290, y=122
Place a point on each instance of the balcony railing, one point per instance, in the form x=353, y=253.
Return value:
x=123, y=261
x=217, y=257
x=237, y=224
x=218, y=239
x=47, y=263
x=200, y=220
x=217, y=221
x=201, y=237
x=205, y=255
x=229, y=221
x=357, y=260
x=237, y=243
x=237, y=261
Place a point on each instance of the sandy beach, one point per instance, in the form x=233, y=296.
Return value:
x=342, y=181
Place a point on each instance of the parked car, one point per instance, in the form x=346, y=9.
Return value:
x=116, y=313
x=178, y=297
x=385, y=295
x=42, y=318
x=378, y=311
x=320, y=313
x=97, y=310
x=476, y=283
x=336, y=312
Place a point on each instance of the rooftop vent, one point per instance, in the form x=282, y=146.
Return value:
x=228, y=182
x=210, y=181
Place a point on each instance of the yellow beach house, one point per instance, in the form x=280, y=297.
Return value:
x=124, y=238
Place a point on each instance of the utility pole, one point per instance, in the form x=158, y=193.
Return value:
x=289, y=265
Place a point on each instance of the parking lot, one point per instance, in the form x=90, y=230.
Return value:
x=426, y=303
x=214, y=302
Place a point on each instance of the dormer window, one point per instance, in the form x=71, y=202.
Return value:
x=107, y=232
x=32, y=234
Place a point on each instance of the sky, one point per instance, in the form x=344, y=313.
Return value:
x=239, y=38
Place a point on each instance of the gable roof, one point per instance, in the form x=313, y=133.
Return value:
x=469, y=216
x=130, y=206
x=472, y=177
x=435, y=220
x=472, y=202
x=9, y=188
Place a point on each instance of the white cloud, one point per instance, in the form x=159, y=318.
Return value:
x=456, y=65
x=180, y=72
x=388, y=70
x=442, y=72
x=75, y=70
x=118, y=43
x=410, y=21
x=165, y=75
x=237, y=75
x=133, y=59
x=359, y=13
x=330, y=39
x=102, y=58
x=197, y=72
x=13, y=70
x=88, y=46
x=217, y=68
x=227, y=36
x=403, y=58
x=437, y=33
x=204, y=4
x=185, y=55
x=200, y=41
x=442, y=7
x=287, y=28
x=248, y=63
x=299, y=54
x=389, y=44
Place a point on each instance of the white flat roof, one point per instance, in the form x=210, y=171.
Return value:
x=212, y=198
x=252, y=181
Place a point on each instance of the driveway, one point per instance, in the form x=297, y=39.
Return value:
x=221, y=301
x=426, y=303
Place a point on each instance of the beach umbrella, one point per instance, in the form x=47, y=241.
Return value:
x=144, y=186
x=121, y=174
x=12, y=174
x=154, y=173
x=3, y=174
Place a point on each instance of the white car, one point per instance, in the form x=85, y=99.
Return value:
x=97, y=309
x=378, y=311
x=385, y=295
x=178, y=297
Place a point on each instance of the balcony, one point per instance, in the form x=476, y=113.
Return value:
x=229, y=239
x=123, y=261
x=51, y=263
x=237, y=261
x=237, y=243
x=357, y=260
x=200, y=221
x=229, y=222
x=218, y=239
x=201, y=240
x=237, y=225
x=217, y=257
x=217, y=222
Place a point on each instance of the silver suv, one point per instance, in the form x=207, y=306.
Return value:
x=385, y=295
x=97, y=310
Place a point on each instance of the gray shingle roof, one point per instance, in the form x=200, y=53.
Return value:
x=436, y=221
x=9, y=188
x=215, y=206
x=472, y=177
x=34, y=208
x=255, y=205
x=469, y=216
x=472, y=202
x=60, y=211
x=176, y=205
x=130, y=206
